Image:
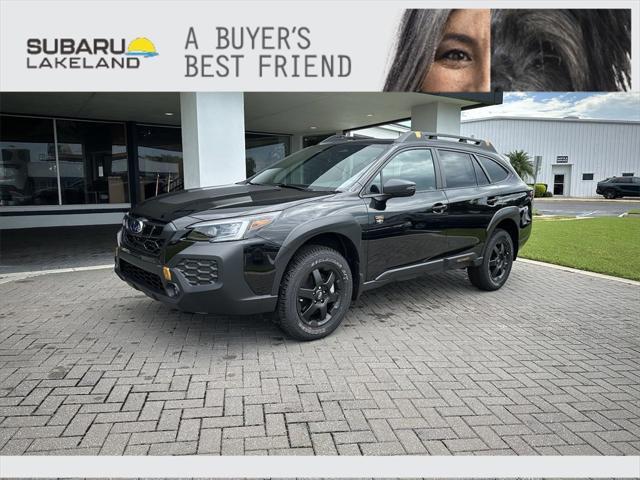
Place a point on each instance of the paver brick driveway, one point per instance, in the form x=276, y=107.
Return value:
x=550, y=364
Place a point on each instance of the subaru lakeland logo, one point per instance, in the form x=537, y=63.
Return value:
x=88, y=53
x=135, y=225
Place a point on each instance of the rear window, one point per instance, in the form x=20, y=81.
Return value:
x=458, y=169
x=496, y=172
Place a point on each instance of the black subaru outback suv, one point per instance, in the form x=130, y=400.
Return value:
x=306, y=236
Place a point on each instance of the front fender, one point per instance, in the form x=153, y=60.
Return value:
x=343, y=225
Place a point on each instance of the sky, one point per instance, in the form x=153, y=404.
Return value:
x=611, y=106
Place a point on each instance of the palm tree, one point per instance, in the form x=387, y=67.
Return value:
x=521, y=163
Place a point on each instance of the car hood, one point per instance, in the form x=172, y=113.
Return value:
x=225, y=201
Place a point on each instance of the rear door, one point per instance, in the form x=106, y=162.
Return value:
x=406, y=230
x=472, y=199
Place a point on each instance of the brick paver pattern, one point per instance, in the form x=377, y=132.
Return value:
x=550, y=364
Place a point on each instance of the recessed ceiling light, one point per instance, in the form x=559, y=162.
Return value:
x=313, y=127
x=168, y=114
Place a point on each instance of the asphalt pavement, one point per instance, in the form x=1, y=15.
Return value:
x=585, y=208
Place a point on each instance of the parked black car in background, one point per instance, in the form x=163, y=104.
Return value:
x=616, y=187
x=309, y=234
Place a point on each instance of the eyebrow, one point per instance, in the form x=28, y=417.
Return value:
x=460, y=37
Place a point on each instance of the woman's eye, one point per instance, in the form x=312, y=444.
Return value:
x=455, y=56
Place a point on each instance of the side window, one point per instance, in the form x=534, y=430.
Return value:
x=480, y=175
x=496, y=172
x=458, y=169
x=413, y=165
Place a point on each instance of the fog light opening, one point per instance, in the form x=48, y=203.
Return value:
x=172, y=290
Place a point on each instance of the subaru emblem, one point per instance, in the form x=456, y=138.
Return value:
x=135, y=225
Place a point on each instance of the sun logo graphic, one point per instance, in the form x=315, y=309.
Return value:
x=141, y=47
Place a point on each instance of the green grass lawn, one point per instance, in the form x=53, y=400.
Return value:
x=608, y=245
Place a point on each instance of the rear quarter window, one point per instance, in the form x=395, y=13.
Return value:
x=496, y=172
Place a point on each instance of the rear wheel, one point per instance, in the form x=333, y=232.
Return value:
x=315, y=293
x=496, y=264
x=610, y=194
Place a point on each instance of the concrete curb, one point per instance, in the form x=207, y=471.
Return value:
x=9, y=277
x=582, y=199
x=582, y=272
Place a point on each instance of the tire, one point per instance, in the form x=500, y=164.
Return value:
x=315, y=293
x=496, y=264
x=609, y=194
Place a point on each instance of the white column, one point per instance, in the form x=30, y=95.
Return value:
x=296, y=142
x=436, y=117
x=212, y=138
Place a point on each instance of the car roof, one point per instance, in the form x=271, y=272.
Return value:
x=438, y=140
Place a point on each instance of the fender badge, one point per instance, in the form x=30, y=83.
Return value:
x=379, y=218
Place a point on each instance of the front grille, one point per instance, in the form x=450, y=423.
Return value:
x=141, y=276
x=149, y=246
x=149, y=241
x=199, y=271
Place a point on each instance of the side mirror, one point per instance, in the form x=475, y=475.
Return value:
x=399, y=188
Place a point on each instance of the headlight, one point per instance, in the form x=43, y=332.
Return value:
x=230, y=228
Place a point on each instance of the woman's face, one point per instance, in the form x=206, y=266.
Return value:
x=462, y=61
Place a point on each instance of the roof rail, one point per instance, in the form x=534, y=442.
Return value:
x=413, y=136
x=342, y=138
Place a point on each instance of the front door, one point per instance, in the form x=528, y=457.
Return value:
x=561, y=175
x=409, y=230
x=558, y=184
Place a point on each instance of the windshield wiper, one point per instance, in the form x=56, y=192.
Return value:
x=288, y=185
x=281, y=185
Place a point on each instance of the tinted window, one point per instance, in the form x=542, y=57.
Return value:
x=412, y=165
x=480, y=175
x=93, y=162
x=587, y=176
x=496, y=172
x=159, y=160
x=27, y=162
x=458, y=169
x=623, y=180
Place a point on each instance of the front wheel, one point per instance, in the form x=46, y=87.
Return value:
x=496, y=264
x=610, y=194
x=315, y=293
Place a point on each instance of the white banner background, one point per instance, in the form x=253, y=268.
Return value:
x=363, y=30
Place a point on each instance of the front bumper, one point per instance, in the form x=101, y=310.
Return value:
x=228, y=294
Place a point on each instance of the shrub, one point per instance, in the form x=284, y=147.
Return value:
x=548, y=194
x=540, y=189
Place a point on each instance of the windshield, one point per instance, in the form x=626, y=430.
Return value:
x=321, y=167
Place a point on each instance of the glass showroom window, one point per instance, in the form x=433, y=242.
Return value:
x=28, y=162
x=93, y=162
x=159, y=160
x=264, y=150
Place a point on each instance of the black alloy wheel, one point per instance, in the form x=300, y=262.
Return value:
x=315, y=293
x=319, y=295
x=500, y=261
x=496, y=264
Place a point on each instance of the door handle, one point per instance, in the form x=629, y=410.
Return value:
x=439, y=208
x=492, y=200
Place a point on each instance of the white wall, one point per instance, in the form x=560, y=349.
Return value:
x=603, y=148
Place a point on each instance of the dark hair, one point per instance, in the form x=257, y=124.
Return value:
x=561, y=50
x=418, y=39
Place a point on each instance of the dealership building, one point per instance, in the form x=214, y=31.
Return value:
x=575, y=153
x=85, y=158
